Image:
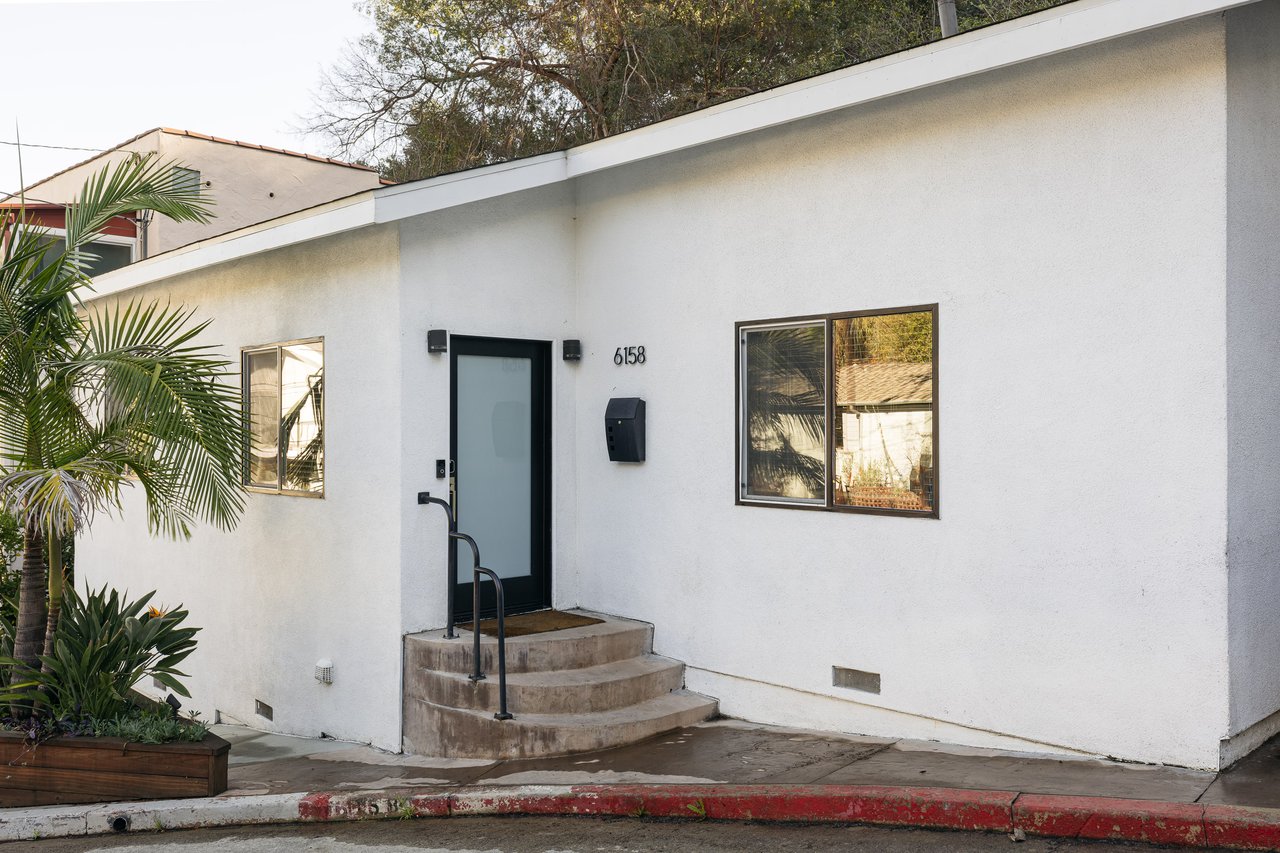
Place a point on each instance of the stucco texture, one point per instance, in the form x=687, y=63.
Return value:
x=503, y=269
x=299, y=579
x=1068, y=218
x=1253, y=400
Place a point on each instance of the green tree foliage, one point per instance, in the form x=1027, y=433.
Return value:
x=886, y=338
x=448, y=84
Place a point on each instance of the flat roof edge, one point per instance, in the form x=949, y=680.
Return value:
x=337, y=217
x=1052, y=31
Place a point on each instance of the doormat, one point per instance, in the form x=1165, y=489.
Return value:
x=538, y=622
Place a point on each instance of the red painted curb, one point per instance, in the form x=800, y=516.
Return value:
x=1242, y=828
x=931, y=807
x=314, y=807
x=1180, y=824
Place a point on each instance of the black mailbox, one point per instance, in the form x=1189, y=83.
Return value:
x=624, y=429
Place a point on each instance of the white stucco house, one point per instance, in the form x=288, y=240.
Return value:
x=959, y=378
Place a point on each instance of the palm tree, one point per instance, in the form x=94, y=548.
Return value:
x=786, y=406
x=94, y=399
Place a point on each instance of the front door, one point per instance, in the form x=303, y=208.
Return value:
x=501, y=448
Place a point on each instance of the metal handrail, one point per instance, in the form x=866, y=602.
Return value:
x=425, y=498
x=477, y=673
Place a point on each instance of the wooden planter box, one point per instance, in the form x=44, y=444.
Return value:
x=105, y=769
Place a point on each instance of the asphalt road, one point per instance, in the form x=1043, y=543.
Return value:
x=561, y=835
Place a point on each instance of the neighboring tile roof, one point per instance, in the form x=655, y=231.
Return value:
x=884, y=383
x=194, y=135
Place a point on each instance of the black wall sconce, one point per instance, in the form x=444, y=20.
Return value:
x=438, y=340
x=573, y=350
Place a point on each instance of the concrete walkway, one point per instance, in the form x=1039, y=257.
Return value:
x=722, y=769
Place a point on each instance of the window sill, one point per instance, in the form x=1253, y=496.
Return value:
x=262, y=490
x=847, y=510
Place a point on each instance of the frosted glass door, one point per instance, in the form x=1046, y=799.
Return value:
x=493, y=462
x=501, y=448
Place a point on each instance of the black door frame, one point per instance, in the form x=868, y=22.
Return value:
x=533, y=592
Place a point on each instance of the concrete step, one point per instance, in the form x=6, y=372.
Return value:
x=603, y=687
x=432, y=729
x=573, y=648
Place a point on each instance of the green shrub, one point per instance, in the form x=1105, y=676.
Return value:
x=105, y=645
x=151, y=727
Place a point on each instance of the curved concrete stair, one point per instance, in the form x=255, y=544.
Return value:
x=576, y=690
x=461, y=733
x=563, y=691
x=572, y=648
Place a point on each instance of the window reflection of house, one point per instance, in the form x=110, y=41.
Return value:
x=884, y=444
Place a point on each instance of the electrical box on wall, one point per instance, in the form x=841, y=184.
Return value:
x=624, y=429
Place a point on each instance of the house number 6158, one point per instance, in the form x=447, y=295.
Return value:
x=629, y=355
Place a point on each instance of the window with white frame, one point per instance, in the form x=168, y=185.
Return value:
x=284, y=409
x=839, y=412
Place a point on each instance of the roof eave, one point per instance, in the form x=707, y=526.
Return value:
x=1056, y=30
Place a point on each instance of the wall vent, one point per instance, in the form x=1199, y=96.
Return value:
x=855, y=679
x=324, y=671
x=262, y=709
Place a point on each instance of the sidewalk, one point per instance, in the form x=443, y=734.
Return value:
x=724, y=769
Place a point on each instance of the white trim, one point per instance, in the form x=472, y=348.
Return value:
x=110, y=239
x=427, y=196
x=329, y=219
x=1053, y=31
x=1063, y=28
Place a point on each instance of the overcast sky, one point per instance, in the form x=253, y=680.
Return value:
x=93, y=74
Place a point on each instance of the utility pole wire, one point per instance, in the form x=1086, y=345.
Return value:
x=55, y=147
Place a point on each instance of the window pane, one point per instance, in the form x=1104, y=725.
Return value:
x=884, y=411
x=106, y=257
x=95, y=258
x=57, y=246
x=302, y=416
x=785, y=397
x=264, y=416
x=186, y=179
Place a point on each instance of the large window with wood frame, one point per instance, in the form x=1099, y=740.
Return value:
x=839, y=412
x=284, y=412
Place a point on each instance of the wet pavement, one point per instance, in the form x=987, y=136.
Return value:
x=734, y=752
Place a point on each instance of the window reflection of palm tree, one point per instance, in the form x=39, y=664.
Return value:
x=303, y=469
x=786, y=404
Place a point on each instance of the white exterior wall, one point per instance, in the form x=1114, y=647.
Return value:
x=1253, y=303
x=502, y=269
x=247, y=185
x=1068, y=216
x=300, y=578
